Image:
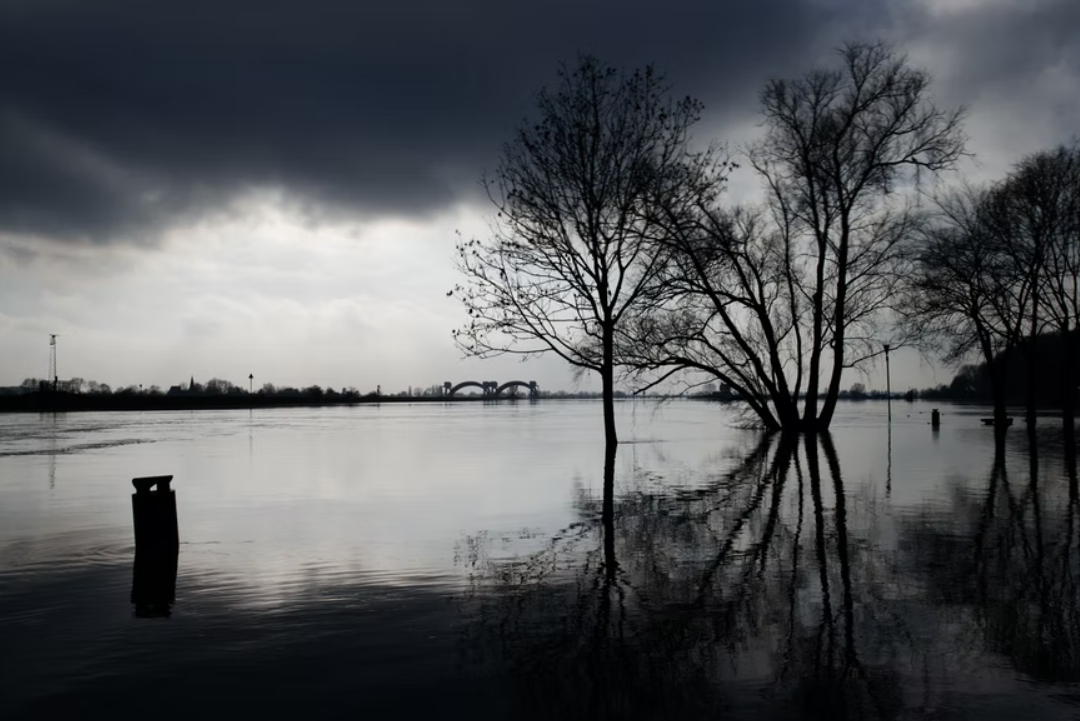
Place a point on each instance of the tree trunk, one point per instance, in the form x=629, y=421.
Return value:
x=810, y=403
x=607, y=379
x=787, y=412
x=1068, y=377
x=1029, y=412
x=997, y=388
x=1032, y=351
x=833, y=391
x=997, y=368
x=839, y=335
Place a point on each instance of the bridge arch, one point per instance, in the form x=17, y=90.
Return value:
x=530, y=386
x=486, y=388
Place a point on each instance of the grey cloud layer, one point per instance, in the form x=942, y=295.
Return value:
x=120, y=117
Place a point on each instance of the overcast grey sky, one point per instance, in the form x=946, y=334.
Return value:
x=217, y=188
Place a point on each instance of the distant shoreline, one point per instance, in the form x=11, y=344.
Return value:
x=89, y=402
x=70, y=402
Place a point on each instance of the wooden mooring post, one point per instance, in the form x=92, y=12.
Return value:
x=157, y=546
x=154, y=511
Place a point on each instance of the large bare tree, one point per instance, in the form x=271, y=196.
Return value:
x=967, y=294
x=778, y=301
x=1038, y=218
x=1062, y=291
x=572, y=244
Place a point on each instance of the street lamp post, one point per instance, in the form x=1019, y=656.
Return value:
x=251, y=383
x=888, y=382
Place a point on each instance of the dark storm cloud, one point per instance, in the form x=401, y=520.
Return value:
x=120, y=117
x=1003, y=43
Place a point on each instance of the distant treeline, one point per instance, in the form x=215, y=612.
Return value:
x=64, y=402
x=36, y=395
x=974, y=383
x=76, y=394
x=215, y=387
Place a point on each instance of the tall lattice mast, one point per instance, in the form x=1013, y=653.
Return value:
x=52, y=360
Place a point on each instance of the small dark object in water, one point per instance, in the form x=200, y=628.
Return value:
x=990, y=421
x=154, y=512
x=935, y=418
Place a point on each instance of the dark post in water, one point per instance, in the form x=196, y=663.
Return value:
x=156, y=530
x=935, y=418
x=157, y=545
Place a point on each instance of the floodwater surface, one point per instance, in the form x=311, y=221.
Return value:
x=456, y=561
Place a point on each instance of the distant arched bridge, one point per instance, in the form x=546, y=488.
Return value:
x=491, y=389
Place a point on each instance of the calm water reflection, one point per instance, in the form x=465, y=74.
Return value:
x=459, y=561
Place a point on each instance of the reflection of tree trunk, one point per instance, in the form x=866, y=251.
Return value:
x=842, y=547
x=752, y=463
x=996, y=471
x=784, y=453
x=795, y=554
x=1033, y=488
x=1067, y=586
x=608, y=514
x=1070, y=465
x=605, y=677
x=1041, y=589
x=823, y=569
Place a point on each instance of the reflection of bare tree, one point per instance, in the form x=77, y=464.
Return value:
x=566, y=623
x=821, y=670
x=746, y=592
x=1029, y=607
x=1019, y=571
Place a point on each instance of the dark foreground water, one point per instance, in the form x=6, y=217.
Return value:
x=454, y=562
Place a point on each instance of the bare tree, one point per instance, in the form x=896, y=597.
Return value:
x=968, y=294
x=1039, y=216
x=1062, y=291
x=218, y=386
x=766, y=300
x=571, y=246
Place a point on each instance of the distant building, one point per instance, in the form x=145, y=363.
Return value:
x=179, y=390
